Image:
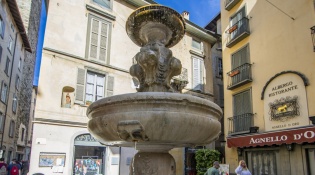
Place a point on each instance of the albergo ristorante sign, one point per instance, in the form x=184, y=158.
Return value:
x=299, y=136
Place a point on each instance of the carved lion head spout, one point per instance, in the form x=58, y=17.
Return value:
x=155, y=68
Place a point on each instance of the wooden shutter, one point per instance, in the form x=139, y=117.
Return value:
x=94, y=38
x=110, y=86
x=242, y=103
x=79, y=96
x=240, y=57
x=103, y=42
x=98, y=40
x=198, y=74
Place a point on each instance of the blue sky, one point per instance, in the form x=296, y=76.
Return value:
x=200, y=11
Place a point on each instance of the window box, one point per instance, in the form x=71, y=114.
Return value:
x=233, y=73
x=232, y=28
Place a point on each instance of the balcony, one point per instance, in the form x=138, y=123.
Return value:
x=239, y=76
x=229, y=4
x=241, y=123
x=237, y=32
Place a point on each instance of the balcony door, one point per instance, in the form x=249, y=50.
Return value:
x=239, y=61
x=236, y=20
x=242, y=111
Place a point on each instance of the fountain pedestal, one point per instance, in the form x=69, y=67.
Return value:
x=155, y=117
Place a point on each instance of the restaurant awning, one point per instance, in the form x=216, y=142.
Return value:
x=295, y=135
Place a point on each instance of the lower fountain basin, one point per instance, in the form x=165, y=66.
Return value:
x=154, y=119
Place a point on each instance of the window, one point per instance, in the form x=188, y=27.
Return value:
x=197, y=45
x=10, y=45
x=240, y=57
x=1, y=122
x=7, y=66
x=12, y=128
x=104, y=3
x=219, y=68
x=19, y=65
x=4, y=92
x=198, y=69
x=2, y=27
x=92, y=86
x=98, y=39
x=0, y=53
x=12, y=27
x=22, y=134
x=263, y=162
x=14, y=103
x=17, y=82
x=237, y=21
x=242, y=111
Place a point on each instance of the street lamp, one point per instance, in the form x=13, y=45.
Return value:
x=313, y=36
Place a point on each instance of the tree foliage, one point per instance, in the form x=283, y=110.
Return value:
x=205, y=159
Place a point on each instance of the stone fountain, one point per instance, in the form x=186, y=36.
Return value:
x=156, y=118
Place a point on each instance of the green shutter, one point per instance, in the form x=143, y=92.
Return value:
x=110, y=86
x=79, y=95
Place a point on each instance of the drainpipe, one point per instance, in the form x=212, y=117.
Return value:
x=9, y=87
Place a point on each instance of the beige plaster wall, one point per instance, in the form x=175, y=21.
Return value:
x=276, y=43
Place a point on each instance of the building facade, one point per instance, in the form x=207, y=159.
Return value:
x=269, y=85
x=14, y=46
x=86, y=56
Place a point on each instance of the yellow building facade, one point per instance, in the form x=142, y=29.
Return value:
x=268, y=65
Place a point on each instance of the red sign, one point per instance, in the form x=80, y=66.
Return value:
x=298, y=135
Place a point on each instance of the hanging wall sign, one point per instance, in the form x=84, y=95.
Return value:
x=285, y=104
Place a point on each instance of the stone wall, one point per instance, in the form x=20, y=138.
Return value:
x=24, y=8
x=25, y=95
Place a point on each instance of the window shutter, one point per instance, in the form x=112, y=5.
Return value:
x=196, y=73
x=94, y=38
x=79, y=96
x=103, y=42
x=1, y=121
x=110, y=86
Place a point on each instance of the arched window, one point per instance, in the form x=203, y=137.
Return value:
x=89, y=155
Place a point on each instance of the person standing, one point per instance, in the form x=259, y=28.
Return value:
x=14, y=168
x=242, y=169
x=3, y=167
x=213, y=170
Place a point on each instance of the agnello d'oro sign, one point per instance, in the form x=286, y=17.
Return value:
x=285, y=104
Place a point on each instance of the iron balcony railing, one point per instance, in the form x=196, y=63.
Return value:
x=237, y=32
x=241, y=123
x=229, y=4
x=239, y=76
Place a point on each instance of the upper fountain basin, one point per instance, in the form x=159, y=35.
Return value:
x=154, y=118
x=155, y=23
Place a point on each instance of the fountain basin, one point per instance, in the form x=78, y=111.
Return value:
x=154, y=120
x=155, y=23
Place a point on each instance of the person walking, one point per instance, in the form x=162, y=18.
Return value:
x=14, y=168
x=242, y=169
x=213, y=170
x=3, y=167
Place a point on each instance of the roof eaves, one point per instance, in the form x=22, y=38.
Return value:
x=19, y=22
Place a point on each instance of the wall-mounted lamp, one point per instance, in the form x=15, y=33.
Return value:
x=312, y=118
x=313, y=36
x=239, y=151
x=289, y=147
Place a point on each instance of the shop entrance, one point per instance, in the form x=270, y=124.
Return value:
x=89, y=156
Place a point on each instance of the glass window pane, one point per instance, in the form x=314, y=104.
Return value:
x=90, y=78
x=89, y=88
x=100, y=91
x=105, y=3
x=100, y=80
x=196, y=44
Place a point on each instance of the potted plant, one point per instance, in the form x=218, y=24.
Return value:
x=88, y=103
x=232, y=28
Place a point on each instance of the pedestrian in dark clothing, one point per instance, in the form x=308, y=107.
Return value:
x=3, y=167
